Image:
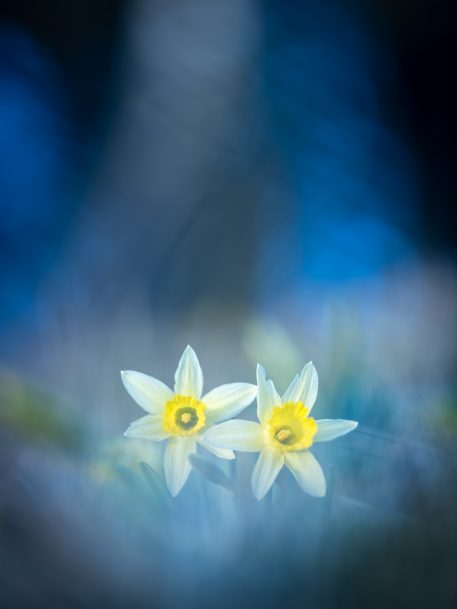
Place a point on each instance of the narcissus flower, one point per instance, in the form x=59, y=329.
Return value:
x=181, y=416
x=284, y=434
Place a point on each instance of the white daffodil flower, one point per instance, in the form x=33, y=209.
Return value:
x=181, y=416
x=284, y=434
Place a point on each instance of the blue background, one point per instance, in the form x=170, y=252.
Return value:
x=267, y=181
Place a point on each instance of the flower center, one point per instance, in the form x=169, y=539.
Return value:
x=285, y=435
x=183, y=416
x=290, y=428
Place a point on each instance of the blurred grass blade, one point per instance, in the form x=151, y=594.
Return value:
x=38, y=416
x=210, y=471
x=154, y=481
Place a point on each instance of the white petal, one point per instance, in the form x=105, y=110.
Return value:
x=176, y=465
x=266, y=469
x=222, y=453
x=189, y=376
x=290, y=391
x=149, y=428
x=236, y=434
x=307, y=472
x=329, y=429
x=303, y=389
x=148, y=392
x=227, y=401
x=267, y=396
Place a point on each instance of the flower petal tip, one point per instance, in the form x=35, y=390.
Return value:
x=258, y=496
x=190, y=351
x=320, y=491
x=352, y=425
x=260, y=372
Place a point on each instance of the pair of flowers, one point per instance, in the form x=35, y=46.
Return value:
x=282, y=436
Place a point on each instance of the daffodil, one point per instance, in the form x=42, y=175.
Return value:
x=182, y=415
x=284, y=434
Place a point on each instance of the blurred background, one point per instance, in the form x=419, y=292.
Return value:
x=267, y=181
